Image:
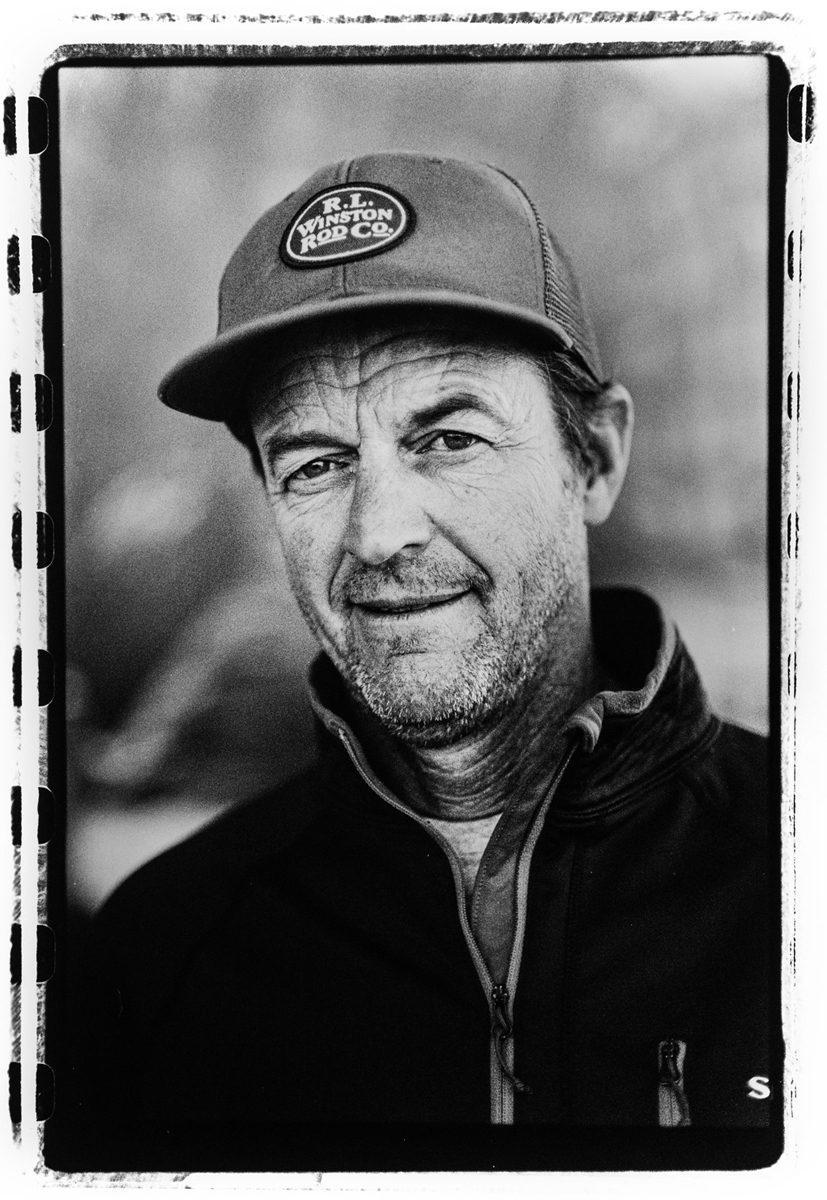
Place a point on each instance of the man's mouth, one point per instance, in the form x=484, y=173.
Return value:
x=400, y=606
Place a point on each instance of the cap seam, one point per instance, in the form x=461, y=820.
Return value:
x=345, y=170
x=337, y=269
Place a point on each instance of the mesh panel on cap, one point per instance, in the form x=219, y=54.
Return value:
x=568, y=306
x=562, y=294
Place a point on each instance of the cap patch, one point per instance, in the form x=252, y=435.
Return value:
x=346, y=222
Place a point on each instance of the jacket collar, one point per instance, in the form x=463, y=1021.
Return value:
x=629, y=737
x=639, y=734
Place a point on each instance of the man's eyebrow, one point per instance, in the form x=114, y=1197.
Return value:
x=449, y=406
x=275, y=445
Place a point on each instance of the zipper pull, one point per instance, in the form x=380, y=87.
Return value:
x=501, y=1028
x=673, y=1107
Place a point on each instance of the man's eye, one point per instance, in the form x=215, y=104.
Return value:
x=450, y=439
x=319, y=471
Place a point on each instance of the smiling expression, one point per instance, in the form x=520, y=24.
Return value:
x=431, y=520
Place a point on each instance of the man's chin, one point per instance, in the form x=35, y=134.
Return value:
x=434, y=734
x=425, y=712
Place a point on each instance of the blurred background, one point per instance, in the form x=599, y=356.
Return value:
x=185, y=688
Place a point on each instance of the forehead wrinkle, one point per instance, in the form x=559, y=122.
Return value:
x=286, y=395
x=360, y=347
x=440, y=368
x=321, y=369
x=337, y=349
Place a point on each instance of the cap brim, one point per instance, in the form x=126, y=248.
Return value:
x=210, y=382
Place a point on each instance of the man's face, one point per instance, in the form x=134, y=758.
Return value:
x=431, y=521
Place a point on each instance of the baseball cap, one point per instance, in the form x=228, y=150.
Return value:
x=386, y=232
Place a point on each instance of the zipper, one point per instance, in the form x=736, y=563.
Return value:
x=673, y=1106
x=502, y=1032
x=500, y=997
x=504, y=1082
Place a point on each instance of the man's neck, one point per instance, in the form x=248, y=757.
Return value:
x=478, y=774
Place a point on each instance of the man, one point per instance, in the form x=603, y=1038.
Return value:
x=525, y=881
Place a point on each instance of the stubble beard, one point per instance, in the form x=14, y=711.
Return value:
x=517, y=650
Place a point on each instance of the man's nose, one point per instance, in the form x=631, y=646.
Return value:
x=386, y=514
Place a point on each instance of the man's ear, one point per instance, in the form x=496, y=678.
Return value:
x=610, y=442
